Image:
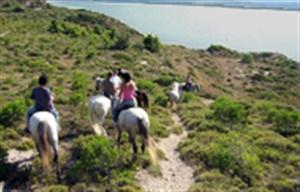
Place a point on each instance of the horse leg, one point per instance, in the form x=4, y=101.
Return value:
x=101, y=125
x=39, y=150
x=143, y=144
x=132, y=141
x=119, y=137
x=58, y=172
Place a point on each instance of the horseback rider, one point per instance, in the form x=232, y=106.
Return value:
x=127, y=89
x=188, y=83
x=115, y=79
x=43, y=99
x=109, y=89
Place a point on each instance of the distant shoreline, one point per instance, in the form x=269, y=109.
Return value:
x=221, y=5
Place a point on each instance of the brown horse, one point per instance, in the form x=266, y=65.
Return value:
x=142, y=99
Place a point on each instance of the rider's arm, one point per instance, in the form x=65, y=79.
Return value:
x=121, y=90
x=132, y=86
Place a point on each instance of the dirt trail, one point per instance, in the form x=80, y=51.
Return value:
x=176, y=175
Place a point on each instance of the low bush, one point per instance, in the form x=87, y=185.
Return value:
x=67, y=28
x=285, y=121
x=226, y=152
x=152, y=43
x=12, y=112
x=77, y=99
x=229, y=112
x=121, y=43
x=164, y=80
x=26, y=145
x=158, y=129
x=247, y=58
x=161, y=100
x=147, y=86
x=188, y=97
x=57, y=188
x=102, y=164
x=122, y=56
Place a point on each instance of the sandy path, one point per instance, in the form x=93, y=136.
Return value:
x=176, y=175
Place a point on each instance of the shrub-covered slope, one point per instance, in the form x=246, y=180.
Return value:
x=247, y=140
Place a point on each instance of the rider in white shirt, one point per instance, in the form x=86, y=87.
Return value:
x=116, y=80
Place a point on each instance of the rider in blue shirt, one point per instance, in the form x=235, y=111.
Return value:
x=43, y=100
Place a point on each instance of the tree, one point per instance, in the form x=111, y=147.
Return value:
x=152, y=43
x=247, y=58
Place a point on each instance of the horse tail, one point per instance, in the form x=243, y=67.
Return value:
x=143, y=129
x=43, y=129
x=149, y=141
x=93, y=118
x=146, y=100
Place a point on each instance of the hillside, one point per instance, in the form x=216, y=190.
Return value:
x=247, y=139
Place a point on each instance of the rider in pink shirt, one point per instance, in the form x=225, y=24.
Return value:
x=127, y=94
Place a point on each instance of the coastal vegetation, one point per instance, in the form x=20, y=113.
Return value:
x=247, y=139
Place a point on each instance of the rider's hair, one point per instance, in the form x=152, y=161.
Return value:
x=109, y=74
x=126, y=77
x=43, y=80
x=119, y=72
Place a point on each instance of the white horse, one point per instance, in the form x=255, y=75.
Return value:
x=175, y=93
x=44, y=131
x=99, y=106
x=135, y=121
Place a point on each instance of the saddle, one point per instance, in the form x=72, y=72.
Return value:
x=42, y=109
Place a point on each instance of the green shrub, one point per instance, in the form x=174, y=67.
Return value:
x=217, y=48
x=102, y=164
x=146, y=85
x=161, y=100
x=98, y=157
x=285, y=121
x=80, y=82
x=57, y=188
x=67, y=28
x=225, y=152
x=77, y=98
x=283, y=186
x=152, y=43
x=122, y=56
x=229, y=112
x=213, y=126
x=12, y=112
x=26, y=145
x=90, y=55
x=164, y=80
x=188, y=96
x=121, y=43
x=177, y=130
x=18, y=9
x=247, y=58
x=158, y=129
